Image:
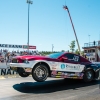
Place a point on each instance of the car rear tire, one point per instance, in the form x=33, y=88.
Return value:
x=88, y=75
x=40, y=73
x=24, y=74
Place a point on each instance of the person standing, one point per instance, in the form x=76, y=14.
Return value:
x=94, y=43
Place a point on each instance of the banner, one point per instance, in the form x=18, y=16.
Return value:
x=7, y=71
x=17, y=46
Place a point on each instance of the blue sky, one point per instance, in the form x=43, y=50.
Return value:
x=49, y=23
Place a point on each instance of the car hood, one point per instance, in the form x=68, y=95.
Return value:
x=35, y=57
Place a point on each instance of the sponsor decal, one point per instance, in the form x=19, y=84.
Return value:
x=72, y=67
x=53, y=68
x=53, y=65
x=63, y=66
x=73, y=75
x=54, y=72
x=59, y=73
x=67, y=75
x=76, y=58
x=58, y=76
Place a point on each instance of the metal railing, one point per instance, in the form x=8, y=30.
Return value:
x=92, y=44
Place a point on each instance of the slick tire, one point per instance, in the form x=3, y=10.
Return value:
x=24, y=74
x=88, y=75
x=40, y=73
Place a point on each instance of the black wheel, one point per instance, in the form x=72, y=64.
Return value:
x=24, y=74
x=88, y=76
x=40, y=73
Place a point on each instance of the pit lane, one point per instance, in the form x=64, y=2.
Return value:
x=52, y=89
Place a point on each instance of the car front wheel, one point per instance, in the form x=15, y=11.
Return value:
x=40, y=73
x=88, y=75
x=24, y=74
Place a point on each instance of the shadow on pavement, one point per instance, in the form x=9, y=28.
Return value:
x=51, y=86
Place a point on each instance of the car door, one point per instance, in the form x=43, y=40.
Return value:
x=72, y=58
x=72, y=63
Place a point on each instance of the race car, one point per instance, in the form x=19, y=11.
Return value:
x=57, y=65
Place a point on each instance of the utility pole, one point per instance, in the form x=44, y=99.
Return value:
x=29, y=2
x=66, y=8
x=89, y=40
x=52, y=47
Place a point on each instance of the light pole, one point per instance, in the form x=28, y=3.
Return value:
x=52, y=47
x=99, y=37
x=89, y=40
x=66, y=8
x=29, y=2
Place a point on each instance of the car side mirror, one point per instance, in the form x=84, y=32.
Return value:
x=63, y=58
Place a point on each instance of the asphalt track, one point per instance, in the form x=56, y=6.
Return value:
x=52, y=89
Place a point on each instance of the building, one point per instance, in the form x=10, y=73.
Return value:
x=92, y=50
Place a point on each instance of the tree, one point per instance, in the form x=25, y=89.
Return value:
x=62, y=50
x=77, y=51
x=72, y=46
x=82, y=52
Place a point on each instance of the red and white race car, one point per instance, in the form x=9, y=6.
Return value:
x=58, y=65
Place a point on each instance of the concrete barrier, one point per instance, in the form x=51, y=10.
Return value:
x=3, y=65
x=5, y=70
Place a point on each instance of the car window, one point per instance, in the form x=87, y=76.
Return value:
x=55, y=55
x=72, y=57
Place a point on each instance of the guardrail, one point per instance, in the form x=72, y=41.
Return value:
x=91, y=44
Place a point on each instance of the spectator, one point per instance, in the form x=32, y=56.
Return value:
x=94, y=43
x=6, y=56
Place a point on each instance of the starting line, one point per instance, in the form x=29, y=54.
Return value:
x=9, y=76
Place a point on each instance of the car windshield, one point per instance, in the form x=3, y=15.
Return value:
x=55, y=55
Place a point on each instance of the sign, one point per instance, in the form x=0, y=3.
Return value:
x=30, y=47
x=89, y=54
x=16, y=46
x=10, y=46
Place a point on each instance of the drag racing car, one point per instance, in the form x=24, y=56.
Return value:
x=57, y=65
